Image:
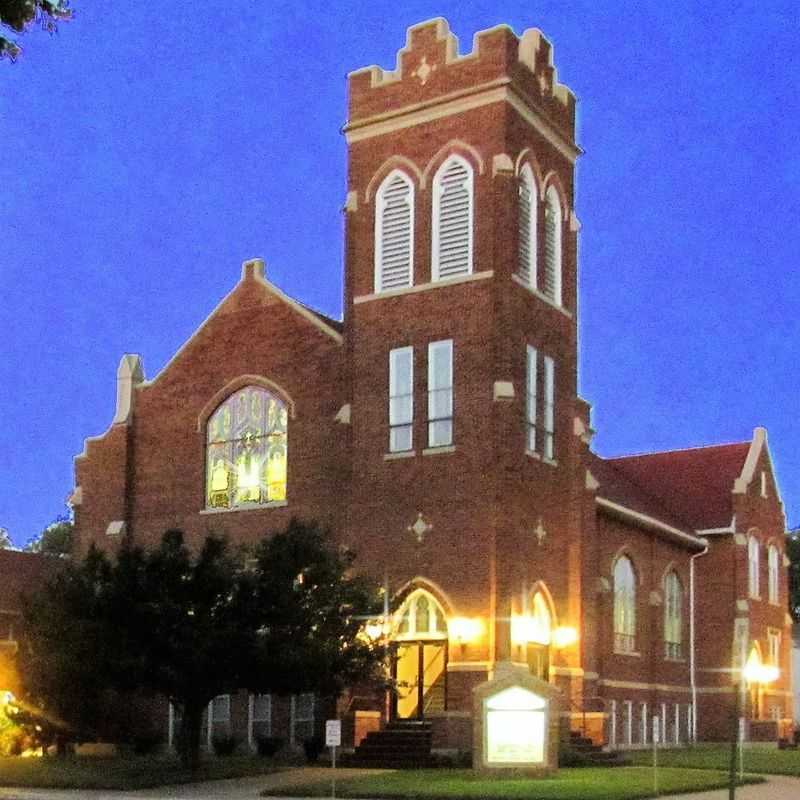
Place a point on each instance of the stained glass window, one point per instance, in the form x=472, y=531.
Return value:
x=246, y=450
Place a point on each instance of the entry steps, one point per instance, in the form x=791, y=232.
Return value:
x=403, y=744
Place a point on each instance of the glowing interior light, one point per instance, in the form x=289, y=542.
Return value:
x=752, y=669
x=464, y=629
x=564, y=637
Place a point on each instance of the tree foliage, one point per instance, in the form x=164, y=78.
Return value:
x=55, y=539
x=20, y=15
x=192, y=626
x=5, y=539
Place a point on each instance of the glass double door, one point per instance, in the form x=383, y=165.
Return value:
x=419, y=676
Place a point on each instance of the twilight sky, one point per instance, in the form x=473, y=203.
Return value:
x=144, y=156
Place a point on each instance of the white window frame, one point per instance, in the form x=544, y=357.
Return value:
x=643, y=722
x=252, y=718
x=548, y=411
x=380, y=206
x=624, y=607
x=528, y=183
x=613, y=732
x=773, y=574
x=532, y=357
x=394, y=356
x=294, y=719
x=753, y=567
x=628, y=722
x=552, y=201
x=673, y=616
x=774, y=647
x=436, y=215
x=445, y=345
x=677, y=723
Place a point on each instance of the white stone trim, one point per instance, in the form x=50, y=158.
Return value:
x=536, y=293
x=235, y=509
x=424, y=287
x=399, y=454
x=343, y=415
x=129, y=375
x=445, y=448
x=592, y=484
x=503, y=391
x=458, y=102
x=650, y=522
x=748, y=470
x=661, y=687
x=115, y=528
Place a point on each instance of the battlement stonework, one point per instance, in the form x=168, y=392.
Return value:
x=430, y=71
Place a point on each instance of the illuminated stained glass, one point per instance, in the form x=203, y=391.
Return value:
x=246, y=450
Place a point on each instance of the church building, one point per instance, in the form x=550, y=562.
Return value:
x=437, y=431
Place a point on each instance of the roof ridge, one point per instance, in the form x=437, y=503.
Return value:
x=677, y=450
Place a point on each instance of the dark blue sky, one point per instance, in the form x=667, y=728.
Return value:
x=143, y=156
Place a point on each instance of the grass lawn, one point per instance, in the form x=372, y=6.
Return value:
x=618, y=783
x=122, y=773
x=756, y=759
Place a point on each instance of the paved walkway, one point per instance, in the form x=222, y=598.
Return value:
x=777, y=788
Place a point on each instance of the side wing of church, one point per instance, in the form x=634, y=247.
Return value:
x=437, y=430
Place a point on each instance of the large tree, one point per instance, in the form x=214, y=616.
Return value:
x=55, y=539
x=19, y=15
x=192, y=626
x=793, y=552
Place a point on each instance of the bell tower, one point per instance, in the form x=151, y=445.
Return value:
x=460, y=323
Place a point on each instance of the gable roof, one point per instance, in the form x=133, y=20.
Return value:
x=694, y=485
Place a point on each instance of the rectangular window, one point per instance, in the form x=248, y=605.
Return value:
x=221, y=708
x=549, y=403
x=774, y=642
x=401, y=398
x=440, y=393
x=302, y=722
x=260, y=717
x=531, y=398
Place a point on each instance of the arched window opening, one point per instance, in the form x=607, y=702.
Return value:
x=541, y=620
x=773, y=560
x=452, y=219
x=246, y=450
x=553, y=219
x=624, y=606
x=673, y=615
x=420, y=617
x=753, y=567
x=528, y=207
x=394, y=233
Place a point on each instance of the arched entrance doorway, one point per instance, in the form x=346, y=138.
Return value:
x=419, y=657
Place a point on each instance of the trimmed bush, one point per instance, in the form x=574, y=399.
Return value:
x=224, y=745
x=268, y=745
x=313, y=747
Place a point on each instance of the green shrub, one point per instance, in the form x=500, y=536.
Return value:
x=268, y=745
x=224, y=745
x=313, y=747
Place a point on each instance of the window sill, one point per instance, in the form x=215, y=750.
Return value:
x=445, y=448
x=627, y=653
x=551, y=462
x=673, y=660
x=543, y=297
x=399, y=454
x=423, y=287
x=260, y=507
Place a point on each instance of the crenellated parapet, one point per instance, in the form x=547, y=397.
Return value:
x=430, y=72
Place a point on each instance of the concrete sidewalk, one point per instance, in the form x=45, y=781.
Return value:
x=777, y=787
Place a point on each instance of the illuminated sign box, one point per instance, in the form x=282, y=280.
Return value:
x=516, y=722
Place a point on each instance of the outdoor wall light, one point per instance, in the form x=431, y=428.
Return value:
x=564, y=636
x=464, y=629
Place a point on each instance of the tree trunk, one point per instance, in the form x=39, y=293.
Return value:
x=190, y=736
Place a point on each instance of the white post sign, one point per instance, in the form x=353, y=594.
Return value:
x=333, y=739
x=656, y=742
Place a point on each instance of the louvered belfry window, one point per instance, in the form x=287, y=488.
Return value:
x=452, y=220
x=527, y=227
x=552, y=246
x=394, y=233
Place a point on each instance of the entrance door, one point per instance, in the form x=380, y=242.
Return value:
x=419, y=671
x=539, y=660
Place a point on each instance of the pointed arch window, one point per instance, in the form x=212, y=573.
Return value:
x=624, y=606
x=420, y=617
x=452, y=219
x=673, y=615
x=553, y=219
x=246, y=450
x=528, y=206
x=773, y=559
x=394, y=233
x=753, y=567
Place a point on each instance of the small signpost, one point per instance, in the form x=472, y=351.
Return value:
x=656, y=742
x=333, y=739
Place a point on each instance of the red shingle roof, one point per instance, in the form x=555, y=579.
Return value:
x=694, y=485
